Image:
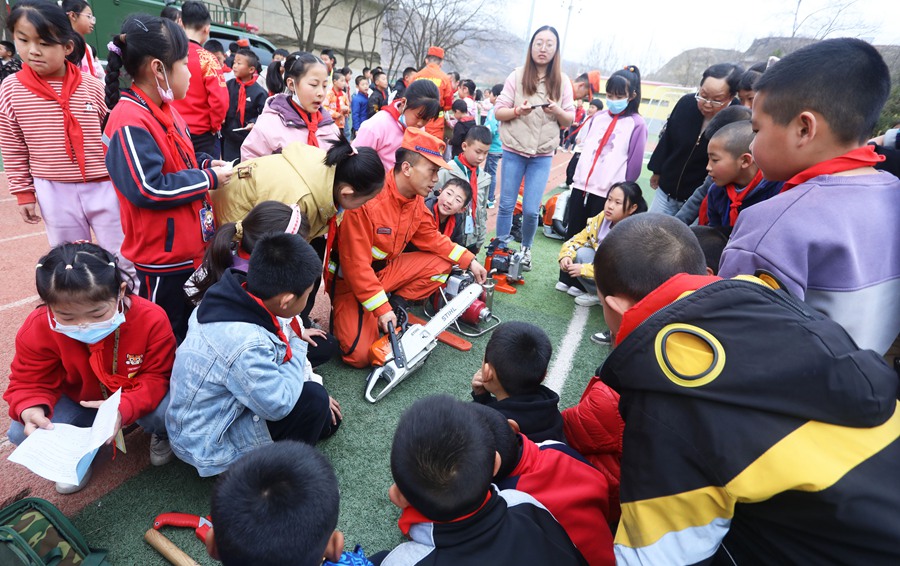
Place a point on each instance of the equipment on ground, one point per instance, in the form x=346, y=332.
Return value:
x=507, y=263
x=479, y=318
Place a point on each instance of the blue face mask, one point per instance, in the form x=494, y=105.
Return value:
x=617, y=106
x=91, y=332
x=402, y=120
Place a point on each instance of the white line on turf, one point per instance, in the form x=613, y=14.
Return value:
x=21, y=236
x=565, y=352
x=24, y=301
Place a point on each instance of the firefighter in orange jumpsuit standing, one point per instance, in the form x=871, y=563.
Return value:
x=432, y=72
x=370, y=245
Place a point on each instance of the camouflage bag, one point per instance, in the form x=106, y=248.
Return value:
x=34, y=532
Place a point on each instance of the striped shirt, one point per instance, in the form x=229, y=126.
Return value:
x=33, y=139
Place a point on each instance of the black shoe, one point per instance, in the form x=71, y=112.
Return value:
x=602, y=338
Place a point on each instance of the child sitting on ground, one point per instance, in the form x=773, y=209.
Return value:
x=737, y=181
x=560, y=479
x=246, y=100
x=510, y=380
x=463, y=123
x=240, y=377
x=468, y=167
x=442, y=462
x=449, y=209
x=723, y=462
x=277, y=505
x=832, y=236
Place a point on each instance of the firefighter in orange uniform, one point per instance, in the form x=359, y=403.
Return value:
x=432, y=72
x=369, y=250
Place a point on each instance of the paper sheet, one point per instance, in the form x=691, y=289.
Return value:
x=65, y=453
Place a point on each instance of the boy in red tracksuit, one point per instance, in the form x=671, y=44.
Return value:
x=370, y=249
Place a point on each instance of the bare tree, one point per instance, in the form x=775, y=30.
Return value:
x=832, y=18
x=604, y=56
x=235, y=7
x=363, y=13
x=306, y=17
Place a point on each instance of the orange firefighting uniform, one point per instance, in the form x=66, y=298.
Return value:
x=441, y=79
x=371, y=263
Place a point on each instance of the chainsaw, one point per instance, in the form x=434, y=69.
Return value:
x=507, y=263
x=398, y=354
x=479, y=318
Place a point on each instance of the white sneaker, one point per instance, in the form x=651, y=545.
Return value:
x=160, y=450
x=70, y=488
x=574, y=291
x=587, y=300
x=562, y=287
x=526, y=259
x=602, y=338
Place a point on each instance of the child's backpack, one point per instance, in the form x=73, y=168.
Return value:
x=34, y=532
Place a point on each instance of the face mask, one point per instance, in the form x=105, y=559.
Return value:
x=402, y=120
x=91, y=332
x=167, y=95
x=617, y=106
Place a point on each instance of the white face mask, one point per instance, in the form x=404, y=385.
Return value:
x=167, y=95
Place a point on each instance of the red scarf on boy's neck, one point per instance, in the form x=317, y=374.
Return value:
x=411, y=516
x=473, y=179
x=71, y=80
x=864, y=156
x=311, y=119
x=178, y=145
x=242, y=96
x=737, y=198
x=606, y=135
x=288, y=353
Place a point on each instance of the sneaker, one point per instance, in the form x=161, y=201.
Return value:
x=69, y=488
x=160, y=451
x=562, y=287
x=490, y=204
x=587, y=300
x=574, y=291
x=603, y=338
x=526, y=259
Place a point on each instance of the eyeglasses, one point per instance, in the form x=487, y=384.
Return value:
x=713, y=103
x=91, y=18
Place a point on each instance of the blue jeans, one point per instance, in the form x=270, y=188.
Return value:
x=68, y=411
x=664, y=204
x=535, y=171
x=490, y=168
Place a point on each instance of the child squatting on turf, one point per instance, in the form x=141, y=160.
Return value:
x=510, y=380
x=722, y=459
x=240, y=378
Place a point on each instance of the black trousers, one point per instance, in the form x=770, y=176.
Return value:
x=570, y=168
x=576, y=220
x=207, y=143
x=167, y=291
x=317, y=244
x=310, y=419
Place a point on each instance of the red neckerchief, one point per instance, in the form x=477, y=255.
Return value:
x=448, y=226
x=178, y=145
x=242, y=96
x=111, y=381
x=338, y=93
x=90, y=59
x=473, y=179
x=394, y=110
x=71, y=80
x=737, y=198
x=581, y=125
x=703, y=215
x=312, y=123
x=467, y=118
x=661, y=297
x=609, y=131
x=288, y=354
x=411, y=516
x=864, y=156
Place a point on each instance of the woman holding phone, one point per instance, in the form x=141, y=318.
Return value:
x=535, y=103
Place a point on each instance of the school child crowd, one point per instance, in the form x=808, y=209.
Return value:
x=219, y=208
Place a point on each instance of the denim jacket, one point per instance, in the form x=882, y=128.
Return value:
x=231, y=377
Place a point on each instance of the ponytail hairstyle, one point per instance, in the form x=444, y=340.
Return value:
x=424, y=95
x=143, y=38
x=265, y=218
x=79, y=272
x=295, y=66
x=360, y=168
x=626, y=82
x=633, y=196
x=49, y=20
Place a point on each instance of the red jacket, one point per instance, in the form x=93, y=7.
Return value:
x=48, y=365
x=160, y=200
x=206, y=104
x=379, y=231
x=594, y=428
x=572, y=490
x=433, y=73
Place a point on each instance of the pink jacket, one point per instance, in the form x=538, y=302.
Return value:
x=383, y=133
x=279, y=125
x=622, y=156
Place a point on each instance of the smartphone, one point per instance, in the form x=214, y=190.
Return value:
x=544, y=105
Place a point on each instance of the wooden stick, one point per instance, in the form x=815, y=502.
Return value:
x=168, y=549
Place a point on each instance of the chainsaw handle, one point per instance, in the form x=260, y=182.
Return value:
x=396, y=348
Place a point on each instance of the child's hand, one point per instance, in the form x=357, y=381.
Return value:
x=478, y=384
x=345, y=110
x=574, y=269
x=223, y=173
x=335, y=407
x=310, y=333
x=654, y=181
x=96, y=405
x=34, y=418
x=564, y=263
x=28, y=213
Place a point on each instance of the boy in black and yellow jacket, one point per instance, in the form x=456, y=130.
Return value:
x=756, y=432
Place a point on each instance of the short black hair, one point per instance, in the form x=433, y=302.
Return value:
x=276, y=505
x=735, y=137
x=454, y=75
x=376, y=73
x=282, y=52
x=423, y=95
x=214, y=46
x=252, y=58
x=729, y=115
x=845, y=80
x=409, y=71
x=464, y=186
x=748, y=79
x=504, y=439
x=359, y=79
x=644, y=251
x=729, y=71
x=479, y=134
x=497, y=89
x=282, y=263
x=405, y=155
x=9, y=45
x=329, y=52
x=469, y=84
x=194, y=15
x=439, y=459
x=366, y=69
x=597, y=103
x=171, y=12
x=460, y=106
x=233, y=46
x=713, y=240
x=519, y=352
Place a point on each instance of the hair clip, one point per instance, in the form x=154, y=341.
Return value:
x=294, y=223
x=238, y=232
x=38, y=266
x=353, y=151
x=141, y=25
x=111, y=264
x=113, y=48
x=68, y=266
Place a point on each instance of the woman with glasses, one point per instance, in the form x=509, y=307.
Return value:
x=679, y=161
x=82, y=18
